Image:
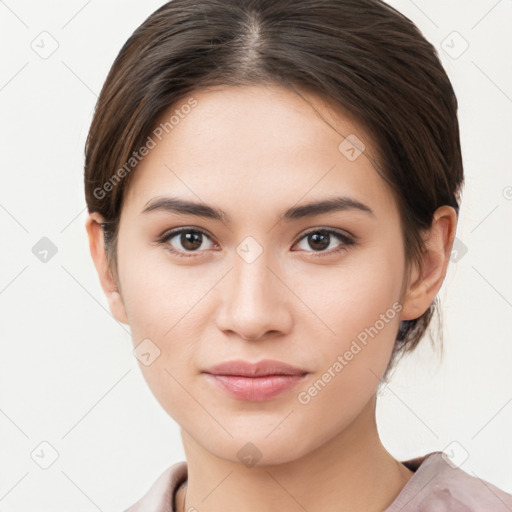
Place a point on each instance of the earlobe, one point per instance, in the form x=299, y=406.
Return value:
x=427, y=281
x=99, y=256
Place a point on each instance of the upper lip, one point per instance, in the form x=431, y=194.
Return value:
x=248, y=369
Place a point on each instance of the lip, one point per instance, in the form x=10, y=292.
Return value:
x=261, y=368
x=255, y=381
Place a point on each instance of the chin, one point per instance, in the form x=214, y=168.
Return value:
x=254, y=446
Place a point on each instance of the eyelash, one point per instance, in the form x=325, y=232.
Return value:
x=347, y=241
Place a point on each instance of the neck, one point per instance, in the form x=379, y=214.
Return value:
x=352, y=471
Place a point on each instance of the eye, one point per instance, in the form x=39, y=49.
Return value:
x=190, y=240
x=321, y=239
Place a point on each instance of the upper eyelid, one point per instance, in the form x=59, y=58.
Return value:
x=335, y=231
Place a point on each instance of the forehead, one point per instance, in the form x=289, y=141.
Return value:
x=254, y=145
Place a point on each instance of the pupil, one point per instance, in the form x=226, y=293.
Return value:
x=322, y=239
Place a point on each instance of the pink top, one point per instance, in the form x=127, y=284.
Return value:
x=436, y=486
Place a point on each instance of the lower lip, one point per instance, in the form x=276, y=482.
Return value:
x=255, y=389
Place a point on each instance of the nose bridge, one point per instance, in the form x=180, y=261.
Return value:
x=253, y=280
x=254, y=303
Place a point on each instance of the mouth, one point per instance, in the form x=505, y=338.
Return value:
x=255, y=382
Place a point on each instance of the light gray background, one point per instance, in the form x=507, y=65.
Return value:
x=68, y=375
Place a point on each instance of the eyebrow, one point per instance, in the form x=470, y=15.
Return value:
x=185, y=207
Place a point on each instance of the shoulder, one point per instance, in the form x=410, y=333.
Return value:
x=159, y=497
x=439, y=485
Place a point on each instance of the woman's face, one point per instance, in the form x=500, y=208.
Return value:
x=259, y=283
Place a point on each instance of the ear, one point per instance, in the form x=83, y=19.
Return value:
x=425, y=283
x=99, y=256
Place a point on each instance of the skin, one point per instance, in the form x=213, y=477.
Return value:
x=255, y=151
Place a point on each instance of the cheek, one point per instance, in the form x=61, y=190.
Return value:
x=359, y=302
x=365, y=320
x=353, y=296
x=159, y=296
x=165, y=305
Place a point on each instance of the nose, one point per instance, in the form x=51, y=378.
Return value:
x=255, y=301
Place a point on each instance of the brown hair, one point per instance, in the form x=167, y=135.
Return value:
x=363, y=55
